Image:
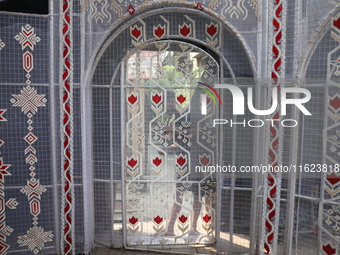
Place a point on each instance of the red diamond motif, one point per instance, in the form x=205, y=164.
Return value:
x=206, y=218
x=199, y=6
x=131, y=9
x=30, y=138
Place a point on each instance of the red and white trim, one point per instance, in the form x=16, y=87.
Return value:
x=276, y=71
x=66, y=97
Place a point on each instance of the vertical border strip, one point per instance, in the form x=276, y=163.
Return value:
x=66, y=110
x=276, y=71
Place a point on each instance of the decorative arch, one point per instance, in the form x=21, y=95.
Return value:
x=100, y=12
x=152, y=27
x=118, y=27
x=326, y=83
x=314, y=41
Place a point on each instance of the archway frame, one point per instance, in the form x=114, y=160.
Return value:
x=326, y=191
x=111, y=35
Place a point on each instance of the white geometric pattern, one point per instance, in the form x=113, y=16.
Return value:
x=27, y=37
x=5, y=230
x=234, y=9
x=28, y=100
x=35, y=239
x=99, y=11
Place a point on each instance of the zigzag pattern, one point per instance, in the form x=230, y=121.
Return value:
x=276, y=74
x=67, y=130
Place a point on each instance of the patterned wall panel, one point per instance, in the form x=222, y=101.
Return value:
x=5, y=229
x=103, y=11
x=29, y=100
x=329, y=213
x=203, y=30
x=241, y=15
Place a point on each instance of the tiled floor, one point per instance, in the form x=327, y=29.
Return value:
x=164, y=250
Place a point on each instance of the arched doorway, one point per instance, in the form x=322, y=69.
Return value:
x=144, y=87
x=170, y=197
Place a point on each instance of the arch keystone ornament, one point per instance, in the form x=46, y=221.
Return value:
x=199, y=7
x=131, y=9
